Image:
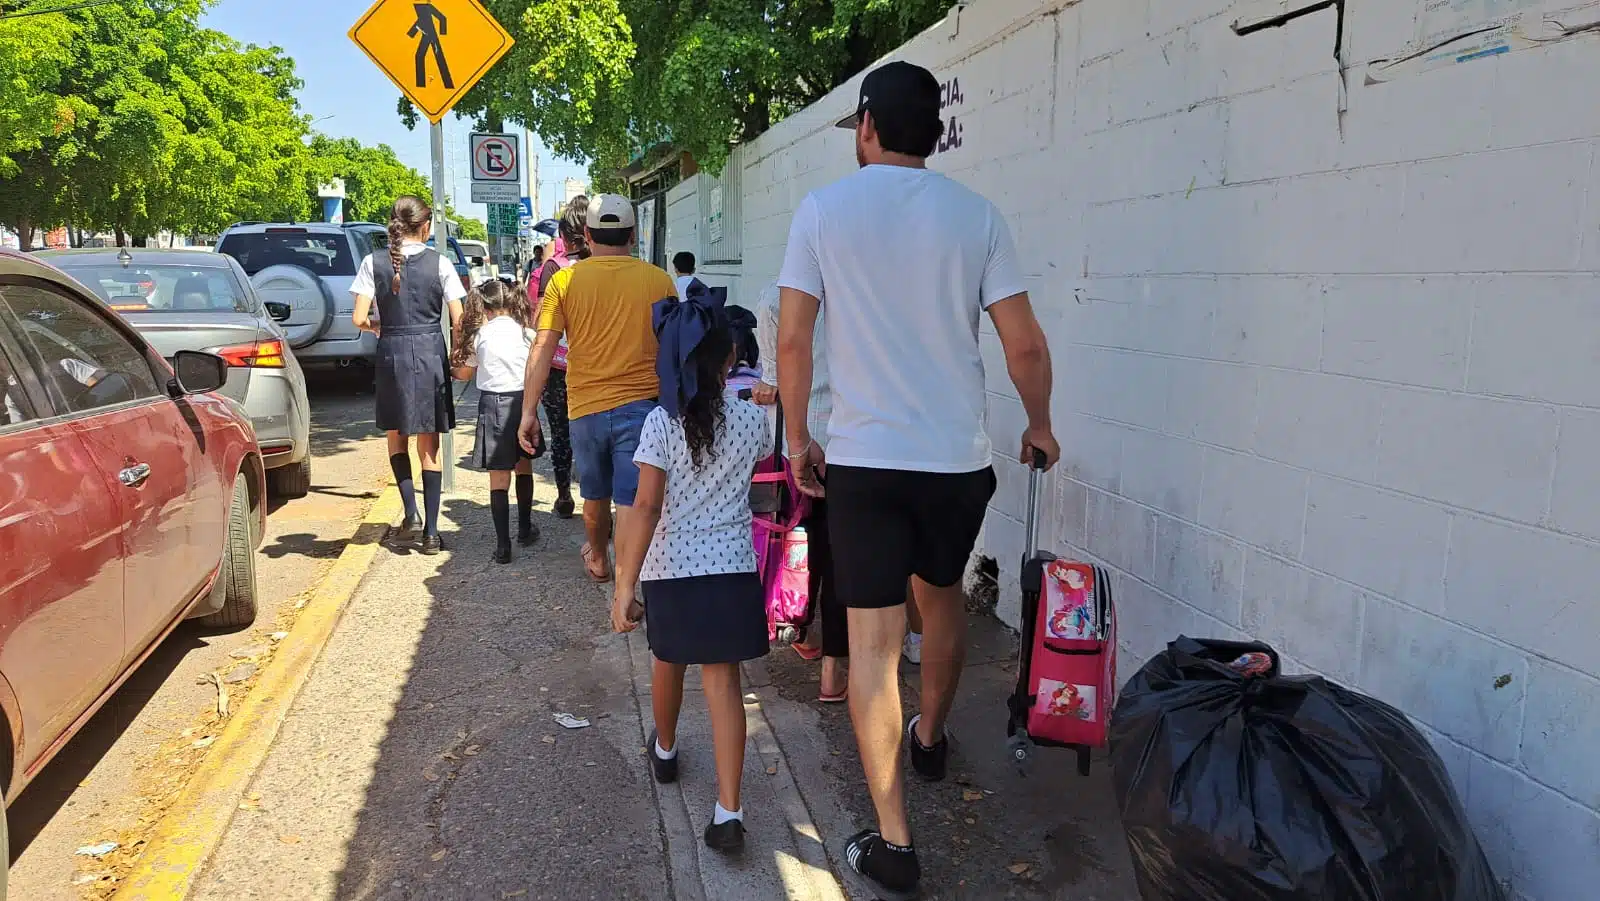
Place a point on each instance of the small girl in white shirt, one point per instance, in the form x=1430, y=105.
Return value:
x=688, y=540
x=495, y=340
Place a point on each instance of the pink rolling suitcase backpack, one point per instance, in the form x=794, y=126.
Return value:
x=783, y=558
x=1067, y=672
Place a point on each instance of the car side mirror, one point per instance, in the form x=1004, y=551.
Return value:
x=198, y=372
x=477, y=261
x=279, y=311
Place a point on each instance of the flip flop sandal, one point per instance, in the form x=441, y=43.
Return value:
x=839, y=698
x=806, y=653
x=604, y=575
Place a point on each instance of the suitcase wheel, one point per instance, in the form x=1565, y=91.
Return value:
x=1020, y=749
x=1083, y=760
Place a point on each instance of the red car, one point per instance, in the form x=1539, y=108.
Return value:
x=131, y=499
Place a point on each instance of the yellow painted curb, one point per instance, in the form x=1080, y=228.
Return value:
x=194, y=825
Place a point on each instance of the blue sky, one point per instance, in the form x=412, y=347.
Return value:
x=350, y=97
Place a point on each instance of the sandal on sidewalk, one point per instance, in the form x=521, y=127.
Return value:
x=603, y=574
x=839, y=698
x=807, y=653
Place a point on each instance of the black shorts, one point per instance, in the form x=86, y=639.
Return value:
x=887, y=525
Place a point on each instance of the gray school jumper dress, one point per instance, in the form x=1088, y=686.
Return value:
x=412, y=378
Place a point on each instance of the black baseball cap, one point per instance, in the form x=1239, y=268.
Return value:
x=897, y=88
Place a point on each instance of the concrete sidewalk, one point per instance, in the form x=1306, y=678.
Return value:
x=422, y=759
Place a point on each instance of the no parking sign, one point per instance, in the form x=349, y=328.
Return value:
x=496, y=168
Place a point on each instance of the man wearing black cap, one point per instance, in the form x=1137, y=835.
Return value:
x=905, y=260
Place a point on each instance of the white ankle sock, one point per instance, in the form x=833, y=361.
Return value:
x=720, y=815
x=665, y=755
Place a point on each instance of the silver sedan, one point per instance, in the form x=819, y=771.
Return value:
x=198, y=300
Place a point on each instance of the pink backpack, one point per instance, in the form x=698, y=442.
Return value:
x=783, y=558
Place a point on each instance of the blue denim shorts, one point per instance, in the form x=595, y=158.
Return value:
x=602, y=452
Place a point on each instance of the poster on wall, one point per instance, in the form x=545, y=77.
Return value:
x=1453, y=32
x=646, y=232
x=1444, y=20
x=714, y=218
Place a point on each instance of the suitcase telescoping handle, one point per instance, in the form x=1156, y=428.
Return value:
x=1035, y=475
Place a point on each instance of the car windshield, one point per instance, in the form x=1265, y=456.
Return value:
x=323, y=254
x=150, y=288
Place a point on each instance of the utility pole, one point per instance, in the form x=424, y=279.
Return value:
x=441, y=243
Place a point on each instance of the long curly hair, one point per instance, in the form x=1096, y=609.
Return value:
x=705, y=415
x=410, y=214
x=493, y=296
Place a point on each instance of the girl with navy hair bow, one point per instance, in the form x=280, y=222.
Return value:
x=689, y=546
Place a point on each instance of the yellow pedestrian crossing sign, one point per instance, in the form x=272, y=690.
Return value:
x=433, y=51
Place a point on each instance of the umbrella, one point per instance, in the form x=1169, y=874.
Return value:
x=546, y=226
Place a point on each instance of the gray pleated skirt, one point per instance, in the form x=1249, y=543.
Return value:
x=499, y=417
x=412, y=384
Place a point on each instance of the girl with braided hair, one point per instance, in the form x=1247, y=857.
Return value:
x=412, y=286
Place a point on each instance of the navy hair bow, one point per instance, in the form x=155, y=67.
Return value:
x=680, y=326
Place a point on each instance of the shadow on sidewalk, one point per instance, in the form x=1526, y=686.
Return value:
x=434, y=709
x=986, y=832
x=475, y=791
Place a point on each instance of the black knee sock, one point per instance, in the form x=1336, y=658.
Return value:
x=500, y=509
x=432, y=481
x=401, y=465
x=524, y=501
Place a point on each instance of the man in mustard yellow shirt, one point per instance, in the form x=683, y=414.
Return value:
x=603, y=305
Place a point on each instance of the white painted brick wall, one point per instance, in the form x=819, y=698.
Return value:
x=1326, y=376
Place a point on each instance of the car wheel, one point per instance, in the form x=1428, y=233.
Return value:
x=237, y=580
x=291, y=481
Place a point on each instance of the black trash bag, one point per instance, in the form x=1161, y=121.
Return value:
x=1282, y=788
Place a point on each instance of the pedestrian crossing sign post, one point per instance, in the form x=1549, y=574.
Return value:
x=433, y=52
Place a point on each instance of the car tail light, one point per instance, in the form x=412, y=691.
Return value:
x=260, y=354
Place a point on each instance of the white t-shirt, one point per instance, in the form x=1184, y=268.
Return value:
x=904, y=261
x=682, y=282
x=500, y=352
x=448, y=279
x=705, y=522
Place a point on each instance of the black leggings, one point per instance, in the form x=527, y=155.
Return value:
x=555, y=410
x=824, y=599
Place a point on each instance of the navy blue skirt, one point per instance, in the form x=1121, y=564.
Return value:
x=412, y=384
x=706, y=619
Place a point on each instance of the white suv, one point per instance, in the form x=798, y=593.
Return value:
x=310, y=266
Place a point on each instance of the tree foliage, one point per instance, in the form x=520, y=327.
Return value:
x=605, y=79
x=470, y=229
x=132, y=118
x=373, y=176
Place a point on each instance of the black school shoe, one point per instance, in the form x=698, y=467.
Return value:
x=527, y=535
x=665, y=771
x=892, y=872
x=725, y=837
x=431, y=544
x=502, y=553
x=928, y=762
x=408, y=528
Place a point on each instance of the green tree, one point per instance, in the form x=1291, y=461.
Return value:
x=157, y=124
x=34, y=51
x=604, y=79
x=471, y=229
x=373, y=176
